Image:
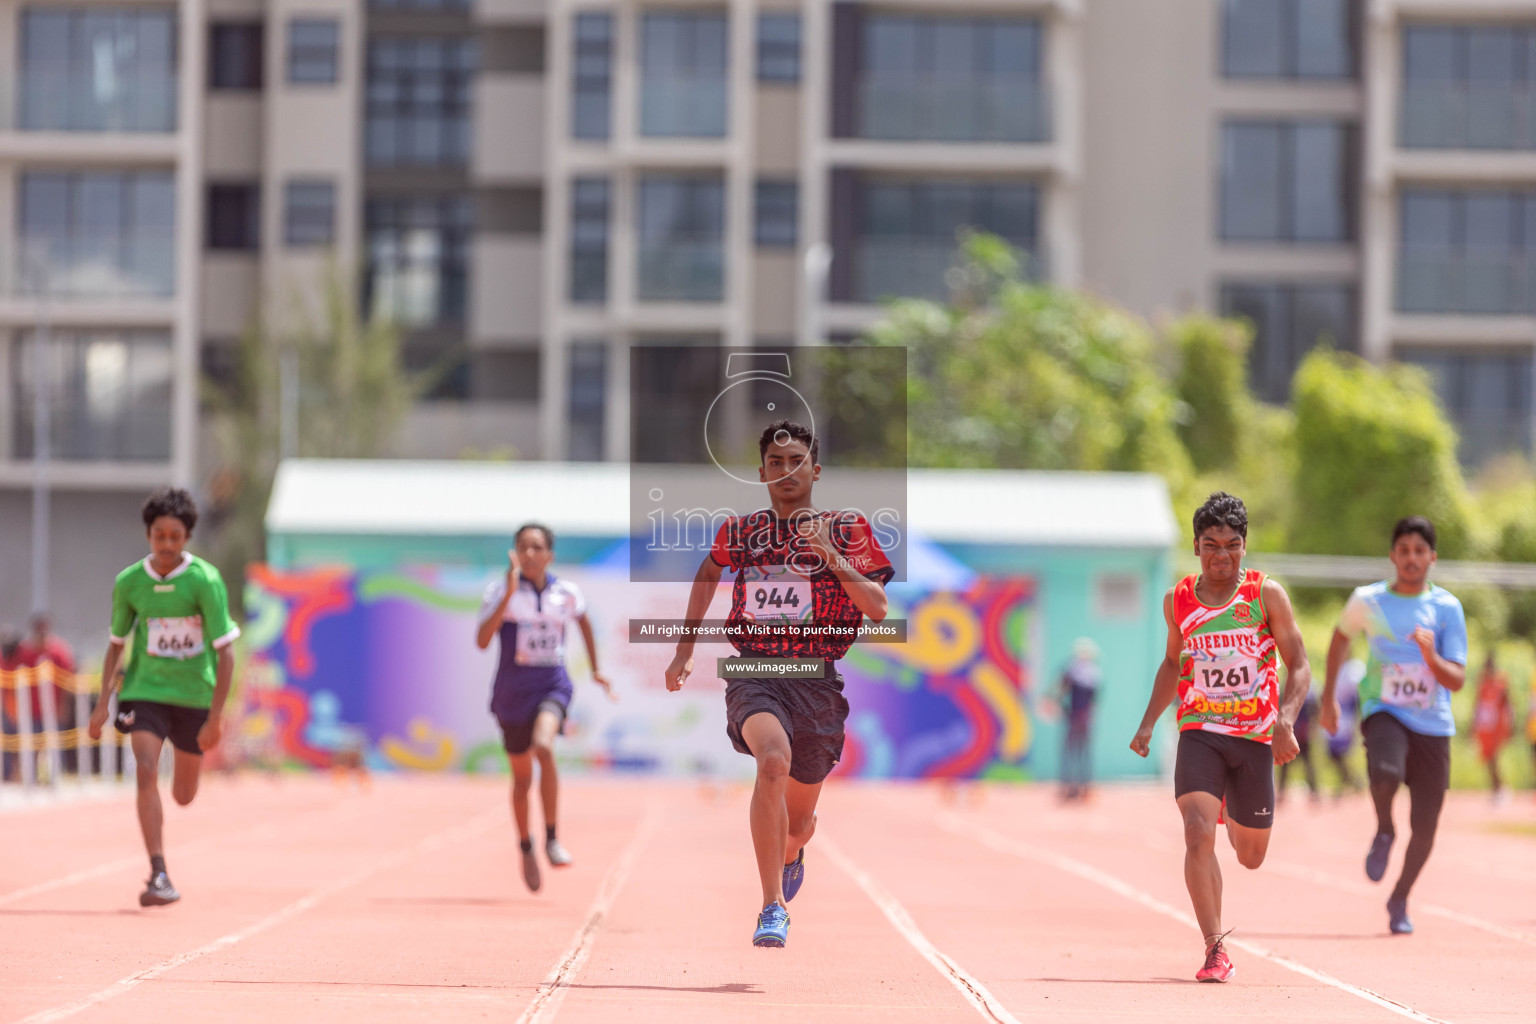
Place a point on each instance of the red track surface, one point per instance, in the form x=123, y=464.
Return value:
x=305, y=901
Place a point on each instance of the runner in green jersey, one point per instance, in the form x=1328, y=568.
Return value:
x=174, y=606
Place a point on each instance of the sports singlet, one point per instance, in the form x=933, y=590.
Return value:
x=1228, y=682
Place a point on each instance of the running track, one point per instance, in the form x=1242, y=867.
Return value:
x=309, y=901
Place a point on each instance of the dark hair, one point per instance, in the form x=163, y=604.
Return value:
x=549, y=535
x=173, y=502
x=798, y=431
x=1415, y=524
x=1222, y=509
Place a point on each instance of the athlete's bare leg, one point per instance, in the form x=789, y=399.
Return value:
x=1202, y=873
x=544, y=729
x=522, y=782
x=800, y=805
x=146, y=756
x=186, y=776
x=770, y=813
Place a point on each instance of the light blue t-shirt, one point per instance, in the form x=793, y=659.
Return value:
x=1397, y=679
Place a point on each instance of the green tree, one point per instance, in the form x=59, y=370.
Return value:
x=1014, y=375
x=354, y=392
x=1212, y=381
x=1372, y=446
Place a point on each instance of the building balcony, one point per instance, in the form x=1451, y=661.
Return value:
x=1450, y=116
x=935, y=111
x=682, y=272
x=912, y=268
x=1467, y=284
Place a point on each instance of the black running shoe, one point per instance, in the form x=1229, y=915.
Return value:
x=531, y=875
x=158, y=892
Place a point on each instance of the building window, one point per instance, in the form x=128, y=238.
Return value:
x=418, y=101
x=1468, y=87
x=1287, y=181
x=1467, y=251
x=511, y=50
x=907, y=232
x=419, y=5
x=236, y=54
x=313, y=51
x=589, y=240
x=778, y=47
x=109, y=396
x=1289, y=320
x=1316, y=39
x=586, y=418
x=418, y=259
x=778, y=214
x=683, y=87
x=234, y=217
x=1487, y=394
x=99, y=233
x=309, y=214
x=98, y=70
x=682, y=239
x=950, y=79
x=592, y=87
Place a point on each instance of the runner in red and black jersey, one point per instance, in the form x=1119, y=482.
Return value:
x=805, y=580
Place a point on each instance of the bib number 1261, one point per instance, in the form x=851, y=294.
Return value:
x=1236, y=678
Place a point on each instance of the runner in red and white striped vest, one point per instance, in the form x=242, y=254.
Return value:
x=1225, y=628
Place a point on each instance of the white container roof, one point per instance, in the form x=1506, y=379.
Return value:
x=459, y=498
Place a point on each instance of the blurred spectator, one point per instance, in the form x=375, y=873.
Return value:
x=1079, y=688
x=1493, y=720
x=1303, y=730
x=1347, y=691
x=43, y=645
x=10, y=665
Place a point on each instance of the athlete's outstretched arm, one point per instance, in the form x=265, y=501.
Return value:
x=1165, y=686
x=1298, y=677
x=1328, y=708
x=705, y=582
x=1447, y=673
x=491, y=624
x=591, y=642
x=108, y=688
x=223, y=673
x=866, y=594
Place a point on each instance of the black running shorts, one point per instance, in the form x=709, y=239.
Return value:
x=812, y=712
x=1240, y=770
x=168, y=721
x=517, y=734
x=1394, y=751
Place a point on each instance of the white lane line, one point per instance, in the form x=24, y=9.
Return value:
x=1304, y=873
x=987, y=837
x=546, y=1003
x=191, y=847
x=1308, y=874
x=478, y=824
x=973, y=991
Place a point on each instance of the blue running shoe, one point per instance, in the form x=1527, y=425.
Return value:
x=794, y=874
x=772, y=927
x=1397, y=913
x=1376, y=860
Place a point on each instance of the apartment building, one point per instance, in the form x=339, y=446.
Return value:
x=537, y=189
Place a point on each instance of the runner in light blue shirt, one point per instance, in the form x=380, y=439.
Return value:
x=1417, y=634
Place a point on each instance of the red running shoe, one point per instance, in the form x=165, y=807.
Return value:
x=1218, y=966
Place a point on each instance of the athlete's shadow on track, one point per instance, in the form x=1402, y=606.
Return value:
x=734, y=988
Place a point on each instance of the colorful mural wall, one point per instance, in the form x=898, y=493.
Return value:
x=382, y=665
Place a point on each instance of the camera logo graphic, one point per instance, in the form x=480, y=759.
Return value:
x=757, y=392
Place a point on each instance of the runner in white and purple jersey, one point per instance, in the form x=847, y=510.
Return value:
x=529, y=609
